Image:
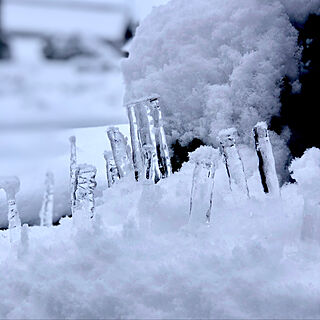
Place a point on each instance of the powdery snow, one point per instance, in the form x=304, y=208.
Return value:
x=141, y=260
x=217, y=64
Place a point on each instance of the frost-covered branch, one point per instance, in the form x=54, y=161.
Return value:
x=233, y=161
x=161, y=141
x=46, y=212
x=73, y=166
x=267, y=168
x=11, y=186
x=120, y=151
x=111, y=168
x=84, y=194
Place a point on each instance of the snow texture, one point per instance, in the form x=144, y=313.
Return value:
x=249, y=263
x=306, y=172
x=216, y=64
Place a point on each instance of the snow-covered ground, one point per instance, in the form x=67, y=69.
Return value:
x=140, y=258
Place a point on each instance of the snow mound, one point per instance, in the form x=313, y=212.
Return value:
x=215, y=64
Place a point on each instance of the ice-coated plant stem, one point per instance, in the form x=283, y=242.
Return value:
x=120, y=151
x=84, y=194
x=148, y=130
x=267, y=168
x=150, y=160
x=233, y=161
x=73, y=167
x=201, y=197
x=111, y=169
x=161, y=141
x=11, y=186
x=46, y=212
x=137, y=157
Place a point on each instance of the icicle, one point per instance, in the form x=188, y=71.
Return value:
x=201, y=197
x=232, y=160
x=111, y=169
x=46, y=212
x=85, y=204
x=161, y=141
x=119, y=150
x=135, y=142
x=11, y=186
x=267, y=167
x=150, y=159
x=147, y=134
x=73, y=166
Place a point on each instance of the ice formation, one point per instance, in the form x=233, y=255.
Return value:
x=46, y=212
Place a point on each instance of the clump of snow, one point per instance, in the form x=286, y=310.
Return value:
x=214, y=64
x=204, y=154
x=306, y=171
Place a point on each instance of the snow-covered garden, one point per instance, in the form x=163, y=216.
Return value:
x=234, y=233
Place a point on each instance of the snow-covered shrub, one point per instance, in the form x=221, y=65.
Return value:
x=306, y=171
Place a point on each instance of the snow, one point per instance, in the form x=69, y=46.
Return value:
x=141, y=260
x=141, y=256
x=216, y=65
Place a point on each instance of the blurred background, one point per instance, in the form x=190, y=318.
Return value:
x=60, y=75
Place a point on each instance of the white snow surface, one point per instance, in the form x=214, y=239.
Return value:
x=140, y=259
x=216, y=64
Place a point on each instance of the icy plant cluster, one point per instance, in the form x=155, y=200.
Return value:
x=216, y=64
